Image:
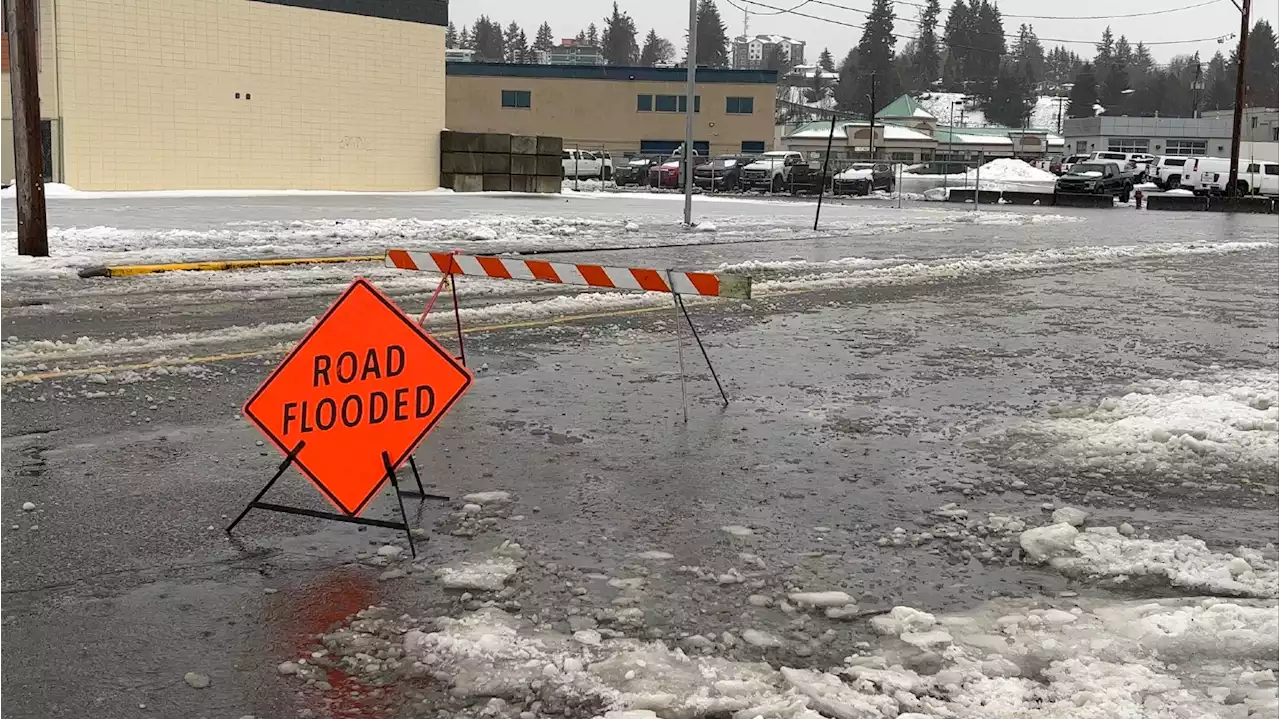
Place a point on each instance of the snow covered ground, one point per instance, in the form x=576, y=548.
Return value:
x=1044, y=116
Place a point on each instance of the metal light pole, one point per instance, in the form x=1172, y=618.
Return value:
x=28, y=151
x=1238, y=115
x=871, y=143
x=690, y=92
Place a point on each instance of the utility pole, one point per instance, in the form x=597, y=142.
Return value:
x=1238, y=115
x=28, y=150
x=871, y=144
x=690, y=93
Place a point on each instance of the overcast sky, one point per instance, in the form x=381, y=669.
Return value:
x=671, y=18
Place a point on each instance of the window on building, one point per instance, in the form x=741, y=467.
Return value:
x=517, y=98
x=1275, y=134
x=1082, y=146
x=684, y=103
x=753, y=145
x=1186, y=147
x=1128, y=144
x=1253, y=122
x=902, y=156
x=644, y=103
x=665, y=103
x=739, y=105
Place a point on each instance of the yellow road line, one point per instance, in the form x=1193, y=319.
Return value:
x=81, y=372
x=215, y=265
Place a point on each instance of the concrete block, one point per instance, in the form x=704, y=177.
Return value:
x=548, y=184
x=550, y=145
x=497, y=183
x=451, y=141
x=550, y=165
x=496, y=163
x=524, y=183
x=496, y=142
x=524, y=145
x=464, y=162
x=467, y=183
x=524, y=164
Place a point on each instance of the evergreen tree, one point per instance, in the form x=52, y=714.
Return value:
x=486, y=37
x=959, y=41
x=773, y=60
x=817, y=89
x=825, y=63
x=1105, y=49
x=581, y=38
x=1084, y=94
x=1028, y=55
x=544, y=40
x=593, y=35
x=875, y=57
x=989, y=36
x=451, y=36
x=1011, y=97
x=520, y=49
x=1061, y=67
x=513, y=51
x=1219, y=85
x=846, y=90
x=927, y=64
x=1114, y=82
x=1124, y=53
x=1260, y=74
x=1141, y=65
x=464, y=40
x=713, y=44
x=656, y=50
x=619, y=39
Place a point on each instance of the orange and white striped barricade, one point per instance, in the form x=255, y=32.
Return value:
x=674, y=282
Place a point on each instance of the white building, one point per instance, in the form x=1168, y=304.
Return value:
x=749, y=53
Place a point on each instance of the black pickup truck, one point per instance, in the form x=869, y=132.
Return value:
x=1095, y=178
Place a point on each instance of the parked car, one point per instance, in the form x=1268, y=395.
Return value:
x=721, y=173
x=1063, y=164
x=635, y=171
x=1252, y=178
x=671, y=172
x=1166, y=171
x=1135, y=162
x=938, y=167
x=808, y=179
x=862, y=178
x=581, y=164
x=770, y=171
x=1096, y=177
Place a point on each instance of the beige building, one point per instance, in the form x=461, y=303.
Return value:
x=619, y=109
x=240, y=94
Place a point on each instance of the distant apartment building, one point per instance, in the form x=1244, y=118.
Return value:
x=750, y=53
x=458, y=54
x=570, y=52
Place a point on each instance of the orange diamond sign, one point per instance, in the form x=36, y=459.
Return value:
x=365, y=380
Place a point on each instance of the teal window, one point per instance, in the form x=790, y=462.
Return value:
x=644, y=103
x=739, y=105
x=517, y=98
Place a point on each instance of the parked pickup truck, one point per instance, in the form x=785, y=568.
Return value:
x=770, y=171
x=584, y=164
x=1096, y=177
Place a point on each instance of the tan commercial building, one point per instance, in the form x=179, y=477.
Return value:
x=619, y=109
x=239, y=94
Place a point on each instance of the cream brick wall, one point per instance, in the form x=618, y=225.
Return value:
x=46, y=79
x=327, y=100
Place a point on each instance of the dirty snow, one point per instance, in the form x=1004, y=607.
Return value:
x=488, y=575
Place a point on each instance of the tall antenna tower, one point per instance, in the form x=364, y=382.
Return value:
x=746, y=19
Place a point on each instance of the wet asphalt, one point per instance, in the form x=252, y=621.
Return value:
x=852, y=411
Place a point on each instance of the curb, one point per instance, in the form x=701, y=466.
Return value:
x=218, y=265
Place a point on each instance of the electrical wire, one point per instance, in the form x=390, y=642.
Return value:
x=790, y=9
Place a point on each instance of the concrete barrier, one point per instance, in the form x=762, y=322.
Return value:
x=1065, y=199
x=1212, y=203
x=475, y=162
x=1186, y=203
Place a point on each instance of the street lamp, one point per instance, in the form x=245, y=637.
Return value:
x=1197, y=87
x=951, y=137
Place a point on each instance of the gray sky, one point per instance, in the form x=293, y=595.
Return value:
x=670, y=18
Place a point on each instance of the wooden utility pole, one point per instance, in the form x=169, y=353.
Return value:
x=1238, y=115
x=28, y=149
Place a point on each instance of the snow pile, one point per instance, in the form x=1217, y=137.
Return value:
x=1180, y=191
x=1168, y=425
x=1009, y=659
x=1011, y=170
x=582, y=185
x=1184, y=562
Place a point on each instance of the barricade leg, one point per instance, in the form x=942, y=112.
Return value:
x=696, y=338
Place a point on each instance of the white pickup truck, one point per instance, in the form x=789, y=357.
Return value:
x=584, y=164
x=770, y=171
x=1252, y=177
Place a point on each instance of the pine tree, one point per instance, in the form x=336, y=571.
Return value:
x=713, y=44
x=1124, y=53
x=773, y=59
x=1219, y=85
x=619, y=39
x=927, y=63
x=1011, y=97
x=464, y=40
x=1061, y=67
x=825, y=63
x=988, y=35
x=846, y=90
x=544, y=40
x=486, y=36
x=512, y=50
x=656, y=49
x=1105, y=49
x=1028, y=55
x=581, y=38
x=1141, y=65
x=875, y=57
x=593, y=35
x=1084, y=94
x=959, y=46
x=1260, y=74
x=520, y=51
x=451, y=36
x=817, y=89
